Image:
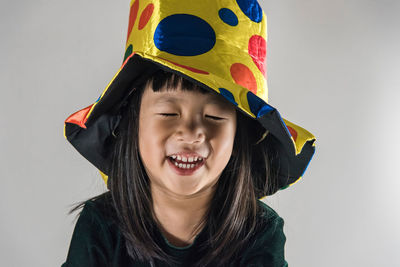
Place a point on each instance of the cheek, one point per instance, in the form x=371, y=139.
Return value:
x=222, y=144
x=145, y=141
x=144, y=144
x=151, y=144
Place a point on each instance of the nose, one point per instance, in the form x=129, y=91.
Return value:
x=191, y=130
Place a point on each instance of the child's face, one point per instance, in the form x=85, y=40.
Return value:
x=191, y=129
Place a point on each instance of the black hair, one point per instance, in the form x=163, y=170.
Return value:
x=232, y=219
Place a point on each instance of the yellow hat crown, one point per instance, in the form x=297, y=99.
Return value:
x=220, y=43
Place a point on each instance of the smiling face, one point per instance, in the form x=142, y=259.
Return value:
x=177, y=124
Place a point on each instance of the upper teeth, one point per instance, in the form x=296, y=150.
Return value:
x=185, y=159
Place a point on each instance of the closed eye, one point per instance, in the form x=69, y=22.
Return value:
x=173, y=114
x=214, y=118
x=167, y=114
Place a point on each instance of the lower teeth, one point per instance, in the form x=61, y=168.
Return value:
x=184, y=166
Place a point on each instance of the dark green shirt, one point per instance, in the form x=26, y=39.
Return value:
x=97, y=242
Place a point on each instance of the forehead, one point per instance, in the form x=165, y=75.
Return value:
x=178, y=95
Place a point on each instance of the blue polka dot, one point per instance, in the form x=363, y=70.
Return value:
x=228, y=16
x=228, y=95
x=257, y=106
x=252, y=9
x=264, y=110
x=184, y=35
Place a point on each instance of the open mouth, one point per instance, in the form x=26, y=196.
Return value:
x=186, y=165
x=185, y=168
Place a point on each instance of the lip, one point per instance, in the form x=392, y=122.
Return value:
x=184, y=172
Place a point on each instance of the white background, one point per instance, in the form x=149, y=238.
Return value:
x=333, y=68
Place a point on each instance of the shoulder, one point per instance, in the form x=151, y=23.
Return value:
x=271, y=225
x=267, y=248
x=96, y=219
x=270, y=228
x=99, y=209
x=99, y=202
x=95, y=240
x=267, y=214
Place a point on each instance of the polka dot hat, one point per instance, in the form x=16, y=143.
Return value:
x=218, y=44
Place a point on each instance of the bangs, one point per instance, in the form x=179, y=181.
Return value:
x=169, y=81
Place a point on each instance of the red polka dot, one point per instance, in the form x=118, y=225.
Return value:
x=132, y=17
x=292, y=132
x=146, y=15
x=187, y=67
x=258, y=51
x=244, y=77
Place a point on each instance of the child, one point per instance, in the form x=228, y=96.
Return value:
x=187, y=144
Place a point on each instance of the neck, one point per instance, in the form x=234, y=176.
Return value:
x=180, y=215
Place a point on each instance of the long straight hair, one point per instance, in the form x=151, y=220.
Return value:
x=233, y=217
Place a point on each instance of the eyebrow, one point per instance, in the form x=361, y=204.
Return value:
x=172, y=99
x=167, y=99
